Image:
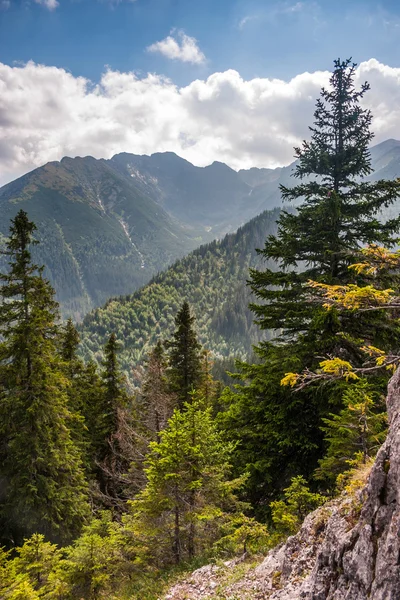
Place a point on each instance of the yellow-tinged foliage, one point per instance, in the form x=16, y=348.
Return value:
x=290, y=379
x=338, y=367
x=377, y=259
x=352, y=297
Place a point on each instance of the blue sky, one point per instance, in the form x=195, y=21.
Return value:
x=257, y=38
x=228, y=80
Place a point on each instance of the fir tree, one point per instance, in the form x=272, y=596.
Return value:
x=279, y=432
x=112, y=428
x=43, y=486
x=156, y=404
x=70, y=342
x=114, y=384
x=187, y=488
x=184, y=360
x=355, y=433
x=338, y=214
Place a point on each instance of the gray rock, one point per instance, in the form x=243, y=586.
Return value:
x=349, y=561
x=348, y=549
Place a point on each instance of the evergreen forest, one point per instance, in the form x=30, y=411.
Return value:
x=154, y=438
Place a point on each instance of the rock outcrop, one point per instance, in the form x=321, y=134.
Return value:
x=348, y=549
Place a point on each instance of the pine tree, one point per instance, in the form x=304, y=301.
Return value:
x=43, y=486
x=279, y=431
x=187, y=488
x=115, y=395
x=70, y=342
x=208, y=388
x=184, y=361
x=112, y=430
x=339, y=213
x=156, y=403
x=356, y=432
x=75, y=372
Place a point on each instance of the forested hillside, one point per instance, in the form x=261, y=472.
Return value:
x=100, y=234
x=109, y=492
x=107, y=226
x=212, y=279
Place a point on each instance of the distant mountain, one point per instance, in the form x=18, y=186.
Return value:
x=108, y=226
x=100, y=233
x=214, y=197
x=212, y=279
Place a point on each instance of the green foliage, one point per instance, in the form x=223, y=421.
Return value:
x=212, y=279
x=288, y=514
x=176, y=515
x=115, y=396
x=94, y=565
x=357, y=431
x=70, y=342
x=44, y=489
x=184, y=372
x=276, y=431
x=338, y=214
x=155, y=403
x=242, y=534
x=37, y=560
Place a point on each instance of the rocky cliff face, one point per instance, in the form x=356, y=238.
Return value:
x=348, y=549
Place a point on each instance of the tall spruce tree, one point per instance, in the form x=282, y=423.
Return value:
x=43, y=488
x=337, y=216
x=279, y=432
x=70, y=342
x=112, y=428
x=156, y=403
x=184, y=359
x=115, y=396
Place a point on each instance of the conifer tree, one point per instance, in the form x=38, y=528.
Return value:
x=338, y=214
x=153, y=407
x=184, y=356
x=77, y=391
x=115, y=396
x=43, y=486
x=187, y=488
x=113, y=425
x=279, y=432
x=70, y=342
x=355, y=433
x=156, y=404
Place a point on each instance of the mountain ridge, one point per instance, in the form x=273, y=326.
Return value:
x=107, y=226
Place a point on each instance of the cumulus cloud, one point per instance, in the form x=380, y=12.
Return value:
x=50, y=4
x=47, y=113
x=181, y=47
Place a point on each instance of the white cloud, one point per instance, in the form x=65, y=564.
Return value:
x=247, y=19
x=47, y=113
x=181, y=47
x=293, y=8
x=50, y=4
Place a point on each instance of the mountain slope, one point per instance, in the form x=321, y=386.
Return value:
x=212, y=196
x=107, y=226
x=212, y=279
x=100, y=234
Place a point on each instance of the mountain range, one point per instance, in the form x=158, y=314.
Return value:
x=108, y=226
x=212, y=279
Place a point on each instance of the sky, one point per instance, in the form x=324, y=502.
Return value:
x=228, y=80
